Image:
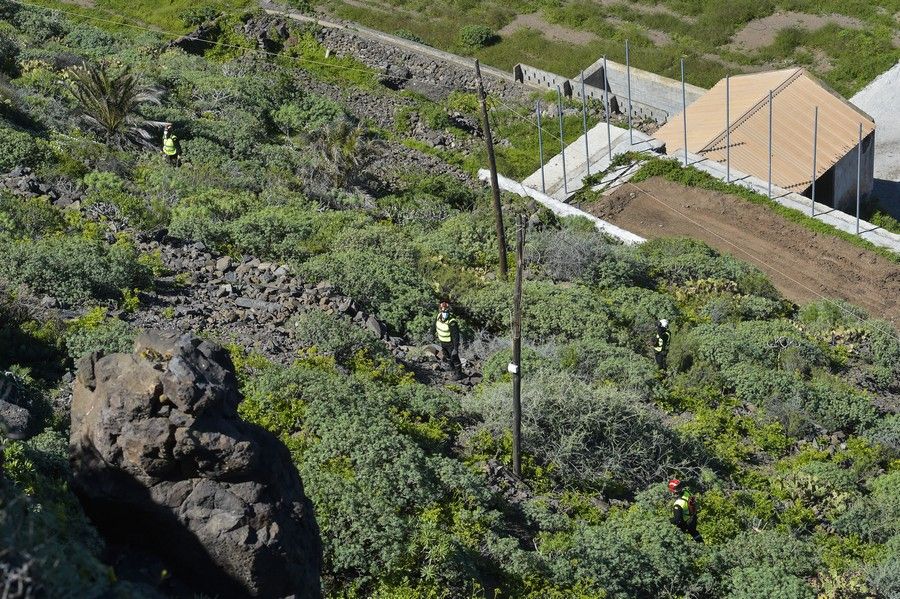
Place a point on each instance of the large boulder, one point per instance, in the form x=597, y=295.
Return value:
x=162, y=460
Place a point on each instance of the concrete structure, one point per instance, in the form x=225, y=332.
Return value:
x=652, y=96
x=561, y=208
x=881, y=99
x=796, y=95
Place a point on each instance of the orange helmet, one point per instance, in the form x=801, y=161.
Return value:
x=674, y=485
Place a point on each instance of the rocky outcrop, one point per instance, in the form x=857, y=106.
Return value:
x=15, y=418
x=162, y=460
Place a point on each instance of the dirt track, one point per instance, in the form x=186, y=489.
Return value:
x=804, y=265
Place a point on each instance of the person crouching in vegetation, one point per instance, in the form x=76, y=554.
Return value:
x=170, y=145
x=684, y=509
x=661, y=349
x=447, y=329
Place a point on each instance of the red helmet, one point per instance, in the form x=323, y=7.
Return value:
x=674, y=485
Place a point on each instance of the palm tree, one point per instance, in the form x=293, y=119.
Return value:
x=349, y=149
x=109, y=102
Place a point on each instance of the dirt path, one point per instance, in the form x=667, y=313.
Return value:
x=802, y=264
x=760, y=33
x=548, y=30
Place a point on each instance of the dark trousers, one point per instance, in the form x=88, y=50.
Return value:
x=660, y=359
x=172, y=159
x=451, y=356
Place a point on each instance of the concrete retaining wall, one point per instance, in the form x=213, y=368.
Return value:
x=652, y=96
x=845, y=176
x=561, y=208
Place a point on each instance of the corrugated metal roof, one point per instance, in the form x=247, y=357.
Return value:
x=795, y=96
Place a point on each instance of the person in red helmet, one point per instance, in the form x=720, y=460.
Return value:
x=684, y=509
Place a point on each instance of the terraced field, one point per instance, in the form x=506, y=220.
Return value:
x=846, y=43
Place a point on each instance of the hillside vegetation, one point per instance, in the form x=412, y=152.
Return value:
x=783, y=418
x=850, y=45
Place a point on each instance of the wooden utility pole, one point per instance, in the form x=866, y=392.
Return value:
x=495, y=186
x=516, y=367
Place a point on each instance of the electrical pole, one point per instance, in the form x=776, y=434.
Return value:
x=495, y=186
x=516, y=368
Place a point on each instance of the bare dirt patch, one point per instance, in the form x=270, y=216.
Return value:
x=802, y=264
x=550, y=31
x=658, y=9
x=760, y=33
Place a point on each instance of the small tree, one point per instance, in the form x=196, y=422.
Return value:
x=109, y=102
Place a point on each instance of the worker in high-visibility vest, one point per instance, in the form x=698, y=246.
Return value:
x=661, y=348
x=447, y=330
x=170, y=145
x=684, y=508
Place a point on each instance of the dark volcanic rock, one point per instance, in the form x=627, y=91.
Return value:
x=162, y=460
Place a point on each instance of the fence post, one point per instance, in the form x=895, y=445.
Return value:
x=562, y=141
x=606, y=95
x=684, y=112
x=770, y=144
x=628, y=70
x=858, y=172
x=815, y=140
x=587, y=152
x=728, y=128
x=537, y=109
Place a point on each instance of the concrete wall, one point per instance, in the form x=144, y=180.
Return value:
x=845, y=176
x=593, y=89
x=652, y=96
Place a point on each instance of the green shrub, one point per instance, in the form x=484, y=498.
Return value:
x=477, y=36
x=108, y=188
x=27, y=218
x=394, y=290
x=95, y=332
x=336, y=336
x=409, y=35
x=632, y=554
x=552, y=312
x=767, y=581
x=74, y=269
x=599, y=438
x=42, y=522
x=9, y=52
x=600, y=362
x=197, y=15
x=570, y=254
x=875, y=517
x=308, y=114
x=17, y=148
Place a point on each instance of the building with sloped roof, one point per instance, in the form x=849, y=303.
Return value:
x=795, y=96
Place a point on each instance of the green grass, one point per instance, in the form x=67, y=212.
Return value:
x=672, y=170
x=118, y=15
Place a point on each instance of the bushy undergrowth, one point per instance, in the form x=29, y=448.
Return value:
x=779, y=417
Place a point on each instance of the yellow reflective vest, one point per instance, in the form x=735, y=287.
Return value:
x=169, y=148
x=443, y=329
